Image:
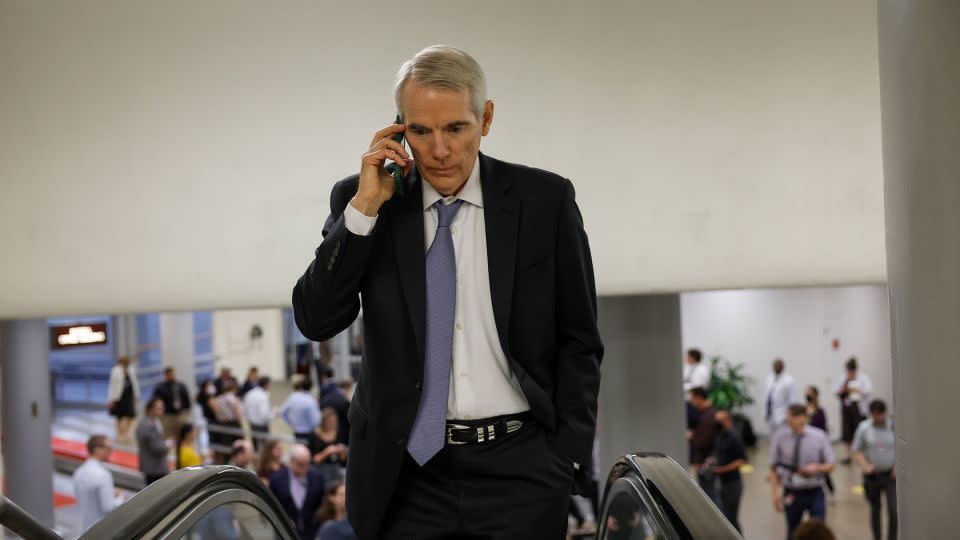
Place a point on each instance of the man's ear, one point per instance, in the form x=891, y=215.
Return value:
x=487, y=117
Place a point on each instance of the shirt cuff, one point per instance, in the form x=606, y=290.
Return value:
x=357, y=223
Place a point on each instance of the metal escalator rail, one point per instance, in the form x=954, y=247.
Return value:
x=181, y=492
x=672, y=501
x=22, y=524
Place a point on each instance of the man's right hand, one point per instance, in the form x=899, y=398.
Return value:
x=778, y=503
x=376, y=183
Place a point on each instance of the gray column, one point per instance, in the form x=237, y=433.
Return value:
x=176, y=342
x=26, y=404
x=641, y=388
x=920, y=109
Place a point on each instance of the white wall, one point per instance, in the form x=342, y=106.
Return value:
x=179, y=155
x=799, y=325
x=233, y=347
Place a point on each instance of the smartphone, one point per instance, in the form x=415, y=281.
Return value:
x=397, y=169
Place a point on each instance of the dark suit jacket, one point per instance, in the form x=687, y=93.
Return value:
x=544, y=304
x=168, y=392
x=302, y=519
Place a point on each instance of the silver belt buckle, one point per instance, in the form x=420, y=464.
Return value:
x=450, y=428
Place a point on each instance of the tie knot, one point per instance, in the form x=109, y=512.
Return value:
x=446, y=212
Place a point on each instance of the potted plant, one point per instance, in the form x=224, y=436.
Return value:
x=730, y=390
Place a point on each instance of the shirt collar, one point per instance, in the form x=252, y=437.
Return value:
x=471, y=192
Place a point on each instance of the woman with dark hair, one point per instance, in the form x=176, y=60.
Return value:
x=332, y=515
x=329, y=456
x=271, y=456
x=818, y=419
x=187, y=455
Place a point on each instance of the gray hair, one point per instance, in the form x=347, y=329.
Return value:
x=444, y=66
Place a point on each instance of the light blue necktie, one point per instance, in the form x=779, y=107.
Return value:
x=429, y=429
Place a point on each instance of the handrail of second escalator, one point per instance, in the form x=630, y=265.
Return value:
x=22, y=524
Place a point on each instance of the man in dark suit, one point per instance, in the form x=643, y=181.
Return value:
x=299, y=489
x=176, y=402
x=475, y=411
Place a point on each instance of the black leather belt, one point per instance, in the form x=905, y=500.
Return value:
x=464, y=432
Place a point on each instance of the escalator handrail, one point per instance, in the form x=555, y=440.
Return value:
x=23, y=524
x=681, y=504
x=155, y=502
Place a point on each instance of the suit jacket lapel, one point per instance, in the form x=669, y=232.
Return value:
x=501, y=213
x=406, y=223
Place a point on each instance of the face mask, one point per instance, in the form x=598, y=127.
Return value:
x=721, y=427
x=211, y=390
x=809, y=399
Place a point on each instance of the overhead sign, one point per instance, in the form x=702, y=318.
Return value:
x=65, y=337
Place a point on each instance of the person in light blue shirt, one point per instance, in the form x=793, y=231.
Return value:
x=302, y=411
x=873, y=446
x=93, y=483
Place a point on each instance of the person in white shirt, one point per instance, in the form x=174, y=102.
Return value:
x=854, y=391
x=256, y=407
x=781, y=393
x=93, y=483
x=695, y=372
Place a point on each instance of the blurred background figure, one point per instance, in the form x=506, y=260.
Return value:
x=300, y=491
x=728, y=456
x=854, y=393
x=226, y=376
x=336, y=399
x=873, y=446
x=813, y=529
x=93, y=483
x=152, y=444
x=228, y=411
x=256, y=406
x=242, y=455
x=818, y=419
x=187, y=455
x=123, y=392
x=695, y=373
x=176, y=402
x=329, y=456
x=253, y=378
x=332, y=517
x=270, y=459
x=301, y=411
x=702, y=438
x=781, y=392
x=799, y=459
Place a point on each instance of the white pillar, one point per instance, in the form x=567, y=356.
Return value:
x=919, y=89
x=177, y=347
x=26, y=411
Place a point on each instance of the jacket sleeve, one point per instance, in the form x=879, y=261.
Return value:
x=580, y=349
x=326, y=298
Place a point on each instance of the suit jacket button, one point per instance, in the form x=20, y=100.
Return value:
x=418, y=386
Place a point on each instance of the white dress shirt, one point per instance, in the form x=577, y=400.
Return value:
x=94, y=490
x=781, y=393
x=481, y=382
x=861, y=389
x=694, y=376
x=256, y=406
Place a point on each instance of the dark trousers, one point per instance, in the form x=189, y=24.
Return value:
x=874, y=485
x=260, y=433
x=151, y=478
x=730, y=493
x=798, y=501
x=515, y=487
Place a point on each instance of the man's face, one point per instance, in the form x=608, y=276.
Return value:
x=778, y=367
x=691, y=360
x=243, y=458
x=723, y=418
x=797, y=423
x=444, y=133
x=299, y=464
x=879, y=418
x=157, y=408
x=103, y=453
x=169, y=376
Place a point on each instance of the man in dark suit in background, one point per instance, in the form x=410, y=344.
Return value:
x=299, y=489
x=176, y=402
x=475, y=411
